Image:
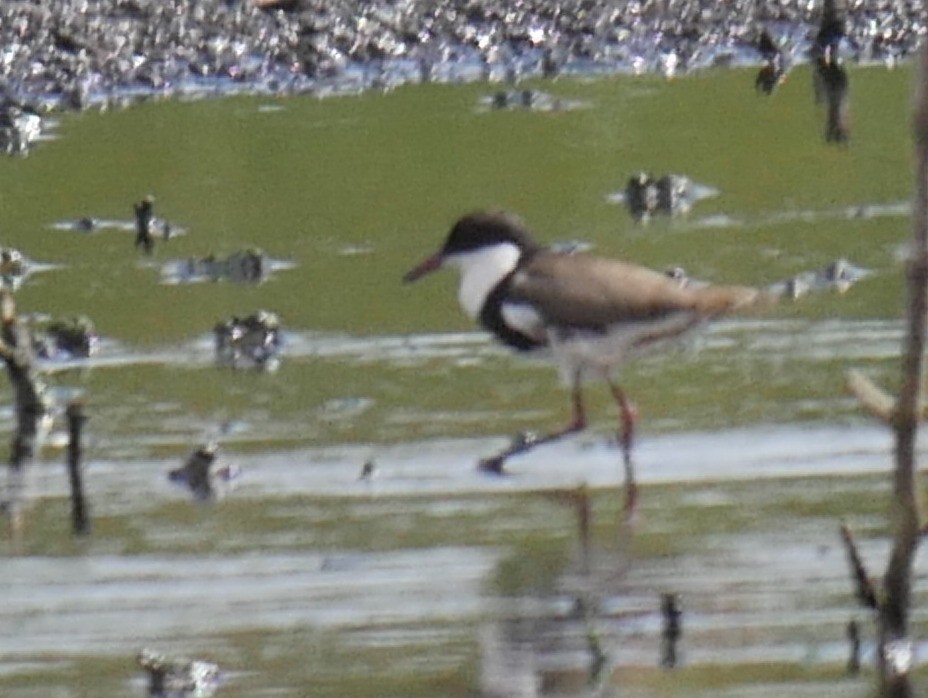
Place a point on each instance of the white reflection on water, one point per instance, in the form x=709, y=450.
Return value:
x=896, y=209
x=778, y=594
x=830, y=339
x=447, y=467
x=114, y=605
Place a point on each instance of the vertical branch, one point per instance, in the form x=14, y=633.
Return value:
x=28, y=387
x=853, y=639
x=670, y=635
x=29, y=397
x=895, y=645
x=79, y=518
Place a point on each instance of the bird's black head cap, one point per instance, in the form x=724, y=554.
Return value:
x=485, y=228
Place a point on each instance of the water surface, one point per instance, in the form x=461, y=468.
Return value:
x=425, y=580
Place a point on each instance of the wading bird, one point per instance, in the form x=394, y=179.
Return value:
x=588, y=313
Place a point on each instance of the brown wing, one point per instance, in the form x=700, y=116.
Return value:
x=585, y=291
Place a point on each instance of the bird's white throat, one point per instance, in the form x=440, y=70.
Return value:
x=481, y=270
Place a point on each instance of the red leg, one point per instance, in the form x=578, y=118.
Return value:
x=495, y=463
x=628, y=417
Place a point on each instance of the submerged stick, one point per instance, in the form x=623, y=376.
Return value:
x=853, y=638
x=671, y=612
x=863, y=586
x=80, y=521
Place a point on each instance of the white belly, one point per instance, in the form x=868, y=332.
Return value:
x=594, y=355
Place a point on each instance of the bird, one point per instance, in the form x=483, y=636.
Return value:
x=587, y=313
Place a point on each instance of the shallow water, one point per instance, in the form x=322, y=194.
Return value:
x=446, y=467
x=83, y=604
x=431, y=578
x=731, y=348
x=902, y=209
x=752, y=595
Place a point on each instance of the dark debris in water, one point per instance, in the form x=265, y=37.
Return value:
x=66, y=338
x=668, y=195
x=249, y=266
x=15, y=268
x=646, y=196
x=253, y=341
x=172, y=677
x=368, y=470
x=529, y=100
x=204, y=474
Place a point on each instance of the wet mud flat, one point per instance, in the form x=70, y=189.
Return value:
x=448, y=571
x=434, y=578
x=428, y=578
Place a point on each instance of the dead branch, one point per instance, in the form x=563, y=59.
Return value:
x=80, y=521
x=902, y=416
x=896, y=646
x=863, y=586
x=874, y=399
x=30, y=402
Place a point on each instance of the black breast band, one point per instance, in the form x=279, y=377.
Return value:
x=491, y=318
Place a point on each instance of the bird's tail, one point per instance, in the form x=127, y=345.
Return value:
x=713, y=301
x=838, y=276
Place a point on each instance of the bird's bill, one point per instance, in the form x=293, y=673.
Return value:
x=426, y=266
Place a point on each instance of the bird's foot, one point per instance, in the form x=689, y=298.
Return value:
x=493, y=465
